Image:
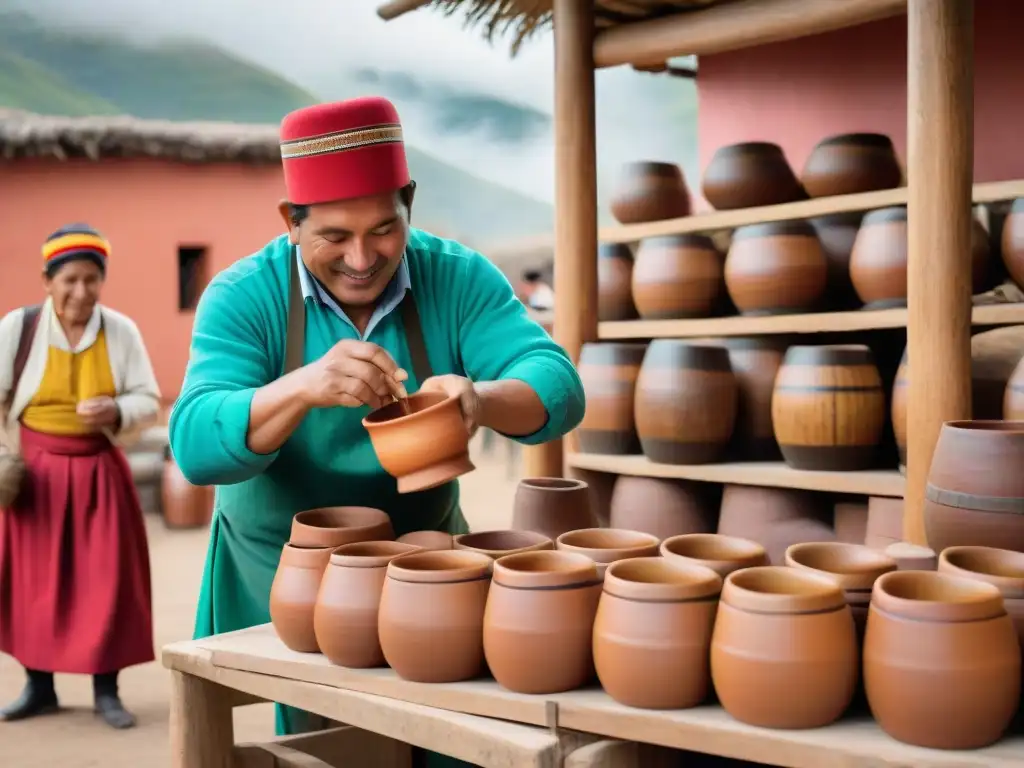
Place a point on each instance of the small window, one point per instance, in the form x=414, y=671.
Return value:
x=192, y=276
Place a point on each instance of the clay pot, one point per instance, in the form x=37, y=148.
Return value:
x=1013, y=396
x=648, y=191
x=786, y=631
x=662, y=508
x=428, y=540
x=677, y=276
x=850, y=521
x=975, y=493
x=911, y=557
x=552, y=506
x=995, y=355
x=942, y=663
x=424, y=448
x=540, y=620
x=614, y=282
x=606, y=545
x=497, y=544
x=685, y=403
x=755, y=363
x=652, y=634
x=828, y=407
x=837, y=233
x=1001, y=568
x=609, y=372
x=775, y=517
x=432, y=615
x=335, y=526
x=885, y=522
x=776, y=268
x=898, y=409
x=1013, y=242
x=851, y=163
x=293, y=595
x=722, y=554
x=853, y=567
x=345, y=615
x=749, y=175
x=182, y=504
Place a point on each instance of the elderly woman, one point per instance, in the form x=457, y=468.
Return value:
x=74, y=564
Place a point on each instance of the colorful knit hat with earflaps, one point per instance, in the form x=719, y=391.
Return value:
x=71, y=242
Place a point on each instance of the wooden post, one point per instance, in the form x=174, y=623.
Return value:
x=940, y=164
x=202, y=730
x=575, y=200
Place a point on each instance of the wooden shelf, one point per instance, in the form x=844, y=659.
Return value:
x=820, y=322
x=989, y=192
x=880, y=482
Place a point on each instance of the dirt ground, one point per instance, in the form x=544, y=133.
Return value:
x=74, y=738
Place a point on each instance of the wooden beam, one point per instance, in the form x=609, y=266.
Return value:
x=940, y=163
x=395, y=8
x=731, y=26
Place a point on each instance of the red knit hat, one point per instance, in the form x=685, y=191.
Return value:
x=343, y=150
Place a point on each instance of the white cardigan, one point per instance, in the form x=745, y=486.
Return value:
x=138, y=395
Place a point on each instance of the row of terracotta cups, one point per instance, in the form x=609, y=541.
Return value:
x=780, y=646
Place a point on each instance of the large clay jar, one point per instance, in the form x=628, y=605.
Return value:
x=1013, y=242
x=851, y=163
x=776, y=268
x=942, y=664
x=429, y=540
x=755, y=363
x=975, y=492
x=345, y=616
x=184, y=505
x=552, y=506
x=775, y=517
x=677, y=276
x=540, y=620
x=497, y=544
x=995, y=355
x=293, y=595
x=898, y=409
x=722, y=554
x=685, y=404
x=422, y=442
x=432, y=615
x=648, y=191
x=789, y=632
x=609, y=372
x=748, y=175
x=663, y=508
x=607, y=545
x=837, y=233
x=652, y=634
x=614, y=282
x=335, y=526
x=1013, y=396
x=1001, y=568
x=828, y=407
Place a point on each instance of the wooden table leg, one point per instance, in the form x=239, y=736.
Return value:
x=202, y=730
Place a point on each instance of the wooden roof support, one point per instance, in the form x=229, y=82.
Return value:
x=395, y=8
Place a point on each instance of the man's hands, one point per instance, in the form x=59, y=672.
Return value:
x=351, y=374
x=457, y=386
x=99, y=412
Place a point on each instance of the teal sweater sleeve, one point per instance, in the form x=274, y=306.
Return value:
x=499, y=340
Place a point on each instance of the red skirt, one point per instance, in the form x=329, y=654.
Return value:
x=74, y=561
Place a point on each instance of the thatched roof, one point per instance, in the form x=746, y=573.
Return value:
x=25, y=134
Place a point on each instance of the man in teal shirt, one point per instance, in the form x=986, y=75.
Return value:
x=380, y=303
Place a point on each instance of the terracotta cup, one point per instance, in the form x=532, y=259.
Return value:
x=1001, y=568
x=722, y=554
x=335, y=526
x=293, y=595
x=429, y=539
x=497, y=544
x=606, y=545
x=552, y=506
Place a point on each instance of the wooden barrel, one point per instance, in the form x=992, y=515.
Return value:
x=828, y=407
x=677, y=276
x=609, y=373
x=686, y=400
x=614, y=282
x=898, y=410
x=755, y=362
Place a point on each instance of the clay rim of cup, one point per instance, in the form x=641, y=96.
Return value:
x=1001, y=568
x=606, y=545
x=554, y=484
x=716, y=551
x=350, y=519
x=854, y=567
x=422, y=404
x=991, y=427
x=428, y=540
x=440, y=566
x=370, y=554
x=934, y=596
x=657, y=580
x=504, y=542
x=545, y=569
x=297, y=556
x=778, y=589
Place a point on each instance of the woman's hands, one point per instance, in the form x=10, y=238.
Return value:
x=99, y=413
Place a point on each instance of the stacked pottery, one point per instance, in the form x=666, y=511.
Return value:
x=609, y=374
x=749, y=175
x=663, y=508
x=605, y=546
x=942, y=662
x=755, y=362
x=789, y=632
x=837, y=233
x=677, y=276
x=614, y=282
x=721, y=554
x=648, y=191
x=539, y=621
x=685, y=403
x=851, y=163
x=1001, y=568
x=775, y=517
x=652, y=633
x=497, y=544
x=552, y=506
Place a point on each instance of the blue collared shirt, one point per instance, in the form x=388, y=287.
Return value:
x=392, y=296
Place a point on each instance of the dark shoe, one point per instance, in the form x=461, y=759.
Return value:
x=113, y=712
x=35, y=700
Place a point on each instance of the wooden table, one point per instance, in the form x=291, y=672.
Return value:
x=481, y=723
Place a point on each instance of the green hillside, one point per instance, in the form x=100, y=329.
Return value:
x=24, y=84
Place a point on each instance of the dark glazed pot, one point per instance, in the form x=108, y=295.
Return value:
x=828, y=407
x=837, y=233
x=776, y=268
x=552, y=506
x=755, y=362
x=852, y=163
x=677, y=276
x=748, y=175
x=293, y=595
x=686, y=399
x=662, y=508
x=609, y=372
x=775, y=517
x=182, y=504
x=335, y=526
x=648, y=191
x=614, y=282
x=497, y=544
x=1013, y=242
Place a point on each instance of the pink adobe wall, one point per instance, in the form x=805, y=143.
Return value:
x=800, y=91
x=146, y=208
